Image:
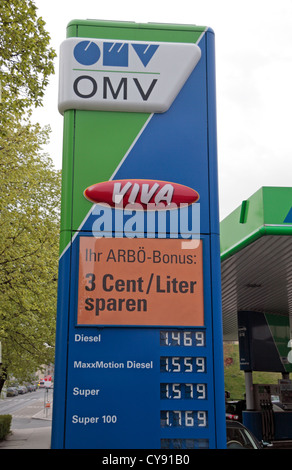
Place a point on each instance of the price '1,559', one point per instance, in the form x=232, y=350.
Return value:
x=182, y=364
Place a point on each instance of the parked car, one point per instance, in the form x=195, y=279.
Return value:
x=31, y=387
x=11, y=392
x=239, y=437
x=21, y=389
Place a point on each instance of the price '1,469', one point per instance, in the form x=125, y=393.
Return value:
x=182, y=338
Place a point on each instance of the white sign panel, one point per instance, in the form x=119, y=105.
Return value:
x=115, y=75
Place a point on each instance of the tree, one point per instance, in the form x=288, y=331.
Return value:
x=30, y=196
x=26, y=60
x=29, y=224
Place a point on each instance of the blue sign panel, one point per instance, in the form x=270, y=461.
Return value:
x=139, y=348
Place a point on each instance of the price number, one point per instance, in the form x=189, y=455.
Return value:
x=179, y=418
x=182, y=391
x=183, y=364
x=182, y=338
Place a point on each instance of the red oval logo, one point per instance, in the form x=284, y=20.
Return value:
x=144, y=194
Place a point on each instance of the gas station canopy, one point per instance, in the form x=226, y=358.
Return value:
x=256, y=257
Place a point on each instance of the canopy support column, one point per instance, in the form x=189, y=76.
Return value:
x=249, y=390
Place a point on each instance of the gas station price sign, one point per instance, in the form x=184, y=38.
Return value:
x=139, y=348
x=147, y=370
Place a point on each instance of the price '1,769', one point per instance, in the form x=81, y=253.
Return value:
x=182, y=418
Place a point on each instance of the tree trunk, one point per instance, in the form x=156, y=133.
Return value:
x=3, y=377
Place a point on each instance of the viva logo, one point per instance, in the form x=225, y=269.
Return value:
x=142, y=194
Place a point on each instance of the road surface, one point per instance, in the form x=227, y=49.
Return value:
x=28, y=410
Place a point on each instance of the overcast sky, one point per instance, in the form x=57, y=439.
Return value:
x=254, y=81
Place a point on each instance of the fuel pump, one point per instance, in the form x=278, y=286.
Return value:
x=263, y=340
x=285, y=394
x=263, y=394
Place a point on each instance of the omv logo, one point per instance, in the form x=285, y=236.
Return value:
x=115, y=75
x=115, y=54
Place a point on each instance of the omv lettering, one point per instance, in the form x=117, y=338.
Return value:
x=86, y=86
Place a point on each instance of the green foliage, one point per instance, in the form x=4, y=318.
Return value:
x=29, y=223
x=30, y=196
x=234, y=377
x=5, y=423
x=26, y=60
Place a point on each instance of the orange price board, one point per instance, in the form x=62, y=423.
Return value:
x=149, y=282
